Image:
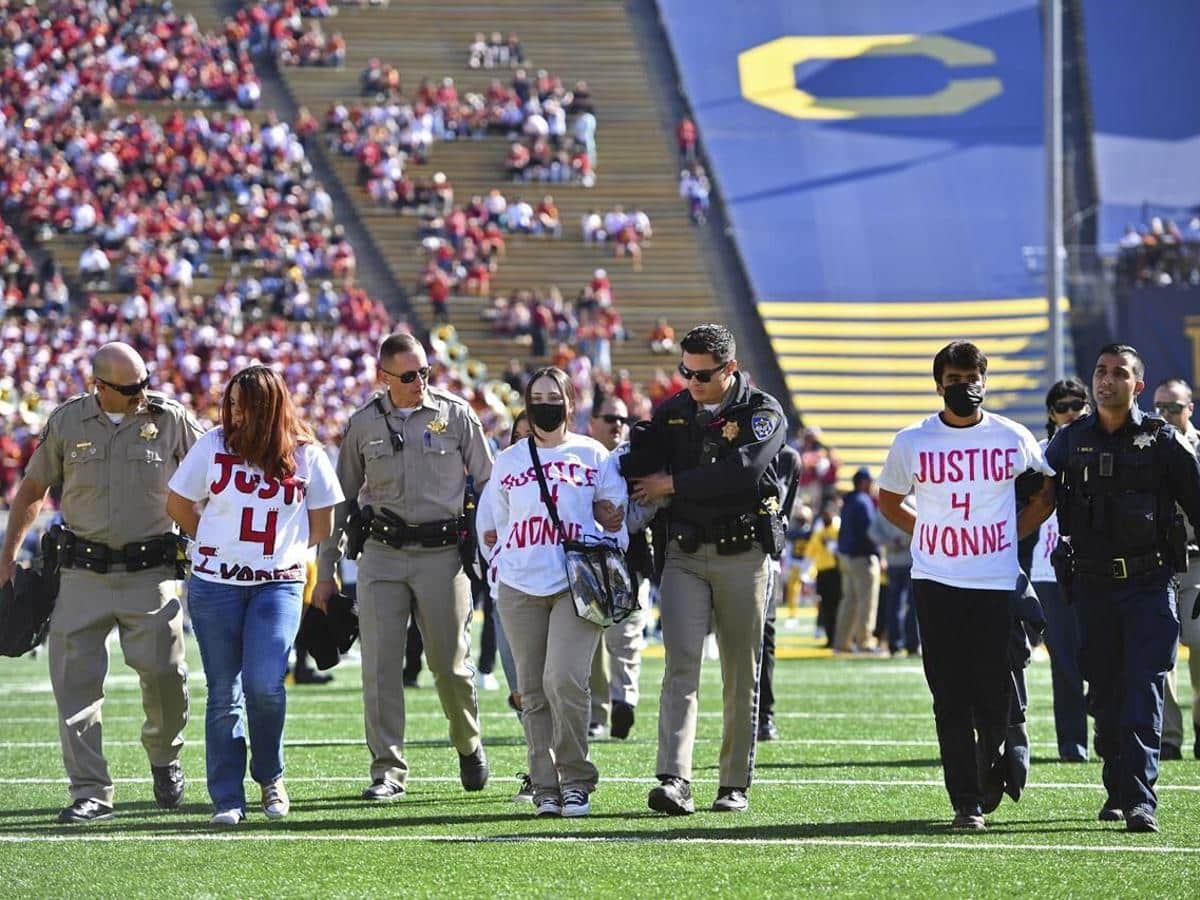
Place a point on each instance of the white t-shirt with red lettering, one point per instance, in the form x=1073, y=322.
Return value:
x=1040, y=570
x=528, y=554
x=253, y=529
x=966, y=534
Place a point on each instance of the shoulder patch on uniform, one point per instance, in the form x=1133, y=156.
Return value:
x=763, y=423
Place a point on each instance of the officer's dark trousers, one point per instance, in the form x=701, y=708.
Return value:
x=965, y=636
x=1130, y=630
x=1062, y=640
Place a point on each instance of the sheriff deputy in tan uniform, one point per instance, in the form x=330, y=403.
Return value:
x=113, y=452
x=406, y=455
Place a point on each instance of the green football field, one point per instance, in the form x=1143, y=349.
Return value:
x=850, y=801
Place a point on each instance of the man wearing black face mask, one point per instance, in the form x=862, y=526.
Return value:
x=962, y=464
x=720, y=438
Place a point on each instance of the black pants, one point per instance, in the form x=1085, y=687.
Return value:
x=829, y=589
x=487, y=642
x=412, y=652
x=965, y=634
x=766, y=674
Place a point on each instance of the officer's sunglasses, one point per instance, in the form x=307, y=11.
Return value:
x=1075, y=405
x=613, y=418
x=1172, y=408
x=704, y=376
x=127, y=390
x=410, y=376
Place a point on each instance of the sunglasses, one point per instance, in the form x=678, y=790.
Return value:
x=704, y=376
x=410, y=376
x=127, y=390
x=1172, y=408
x=1075, y=405
x=613, y=418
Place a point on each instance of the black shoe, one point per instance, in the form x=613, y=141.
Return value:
x=1141, y=820
x=673, y=796
x=768, y=730
x=473, y=770
x=85, y=810
x=596, y=730
x=622, y=719
x=311, y=676
x=731, y=799
x=383, y=790
x=410, y=682
x=1111, y=812
x=1170, y=751
x=969, y=818
x=168, y=785
x=1196, y=749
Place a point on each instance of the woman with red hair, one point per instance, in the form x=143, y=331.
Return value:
x=255, y=494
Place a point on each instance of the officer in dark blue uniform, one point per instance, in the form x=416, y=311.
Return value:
x=1120, y=474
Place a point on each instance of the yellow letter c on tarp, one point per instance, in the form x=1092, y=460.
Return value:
x=768, y=77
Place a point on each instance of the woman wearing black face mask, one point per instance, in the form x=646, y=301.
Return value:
x=552, y=646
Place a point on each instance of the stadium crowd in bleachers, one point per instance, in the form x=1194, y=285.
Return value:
x=1160, y=253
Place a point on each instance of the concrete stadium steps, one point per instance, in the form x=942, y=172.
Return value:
x=862, y=371
x=590, y=41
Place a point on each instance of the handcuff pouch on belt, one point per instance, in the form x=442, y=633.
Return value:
x=735, y=534
x=687, y=535
x=357, y=528
x=73, y=552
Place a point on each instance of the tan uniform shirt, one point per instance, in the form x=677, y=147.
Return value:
x=422, y=483
x=114, y=477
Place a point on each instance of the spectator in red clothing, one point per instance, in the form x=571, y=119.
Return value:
x=687, y=135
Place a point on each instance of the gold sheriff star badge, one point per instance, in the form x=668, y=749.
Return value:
x=148, y=432
x=730, y=431
x=1142, y=441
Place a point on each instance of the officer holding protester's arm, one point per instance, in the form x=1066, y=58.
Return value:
x=1121, y=474
x=721, y=438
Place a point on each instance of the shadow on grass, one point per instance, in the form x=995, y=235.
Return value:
x=849, y=764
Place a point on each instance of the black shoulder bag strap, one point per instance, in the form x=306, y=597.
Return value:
x=547, y=500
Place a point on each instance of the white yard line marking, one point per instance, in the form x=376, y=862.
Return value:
x=283, y=836
x=649, y=781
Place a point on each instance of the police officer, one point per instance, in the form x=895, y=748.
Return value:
x=113, y=452
x=408, y=451
x=721, y=437
x=1120, y=474
x=1173, y=401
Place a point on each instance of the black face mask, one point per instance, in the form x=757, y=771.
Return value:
x=963, y=398
x=547, y=416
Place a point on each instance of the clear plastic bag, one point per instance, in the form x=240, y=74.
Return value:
x=599, y=580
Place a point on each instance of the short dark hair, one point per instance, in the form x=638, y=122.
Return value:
x=1061, y=390
x=395, y=344
x=1175, y=380
x=959, y=355
x=710, y=338
x=1139, y=367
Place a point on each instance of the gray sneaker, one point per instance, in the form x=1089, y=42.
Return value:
x=673, y=796
x=731, y=799
x=525, y=792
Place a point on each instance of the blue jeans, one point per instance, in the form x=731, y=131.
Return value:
x=245, y=634
x=1062, y=640
x=901, y=611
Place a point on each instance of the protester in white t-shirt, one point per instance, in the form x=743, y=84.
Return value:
x=255, y=494
x=1066, y=401
x=553, y=647
x=962, y=465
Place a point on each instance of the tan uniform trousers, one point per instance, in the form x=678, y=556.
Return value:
x=553, y=649
x=149, y=622
x=1189, y=585
x=731, y=591
x=617, y=666
x=860, y=601
x=427, y=583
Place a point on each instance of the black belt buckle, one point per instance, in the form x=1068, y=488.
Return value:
x=1119, y=569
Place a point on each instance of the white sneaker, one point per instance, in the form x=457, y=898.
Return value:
x=276, y=803
x=547, y=805
x=227, y=817
x=575, y=803
x=486, y=681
